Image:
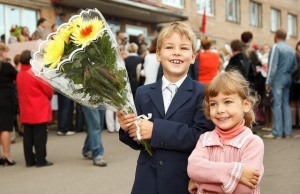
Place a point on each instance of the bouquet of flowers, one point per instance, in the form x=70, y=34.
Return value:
x=82, y=61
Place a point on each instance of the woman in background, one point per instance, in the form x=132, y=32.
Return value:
x=7, y=105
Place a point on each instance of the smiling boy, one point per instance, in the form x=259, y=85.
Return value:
x=177, y=117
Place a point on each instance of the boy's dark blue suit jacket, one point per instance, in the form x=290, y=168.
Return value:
x=174, y=137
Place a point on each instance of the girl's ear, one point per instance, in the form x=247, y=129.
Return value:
x=247, y=106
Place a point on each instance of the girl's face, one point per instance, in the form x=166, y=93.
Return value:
x=227, y=111
x=175, y=55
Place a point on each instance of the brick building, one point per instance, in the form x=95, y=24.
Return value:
x=225, y=19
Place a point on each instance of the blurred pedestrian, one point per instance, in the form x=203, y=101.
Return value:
x=35, y=111
x=40, y=32
x=282, y=63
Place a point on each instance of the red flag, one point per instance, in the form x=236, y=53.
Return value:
x=203, y=26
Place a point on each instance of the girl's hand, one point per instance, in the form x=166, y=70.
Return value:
x=192, y=187
x=249, y=177
x=126, y=121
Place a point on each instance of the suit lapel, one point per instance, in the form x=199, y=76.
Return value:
x=157, y=98
x=183, y=94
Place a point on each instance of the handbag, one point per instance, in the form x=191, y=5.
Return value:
x=267, y=99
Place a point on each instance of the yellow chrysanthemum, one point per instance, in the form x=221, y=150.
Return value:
x=86, y=31
x=64, y=33
x=54, y=51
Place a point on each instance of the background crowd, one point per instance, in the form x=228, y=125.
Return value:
x=261, y=64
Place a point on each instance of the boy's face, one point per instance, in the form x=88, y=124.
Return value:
x=227, y=111
x=176, y=55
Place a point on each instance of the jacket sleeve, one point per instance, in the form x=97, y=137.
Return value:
x=273, y=64
x=46, y=89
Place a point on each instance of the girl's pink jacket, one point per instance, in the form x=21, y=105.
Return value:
x=217, y=167
x=34, y=98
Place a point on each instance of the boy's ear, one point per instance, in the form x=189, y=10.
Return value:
x=247, y=106
x=193, y=58
x=157, y=56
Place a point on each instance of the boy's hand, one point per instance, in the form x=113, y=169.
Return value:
x=126, y=121
x=192, y=187
x=146, y=128
x=249, y=177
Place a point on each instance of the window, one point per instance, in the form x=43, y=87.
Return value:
x=13, y=15
x=292, y=25
x=174, y=3
x=208, y=4
x=275, y=19
x=232, y=10
x=133, y=31
x=255, y=14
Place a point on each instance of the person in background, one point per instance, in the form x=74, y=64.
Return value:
x=40, y=32
x=209, y=62
x=54, y=27
x=151, y=64
x=8, y=75
x=282, y=63
x=18, y=124
x=93, y=148
x=295, y=92
x=133, y=64
x=35, y=112
x=24, y=36
x=177, y=117
x=239, y=60
x=263, y=71
x=230, y=158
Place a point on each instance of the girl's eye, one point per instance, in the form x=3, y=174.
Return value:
x=212, y=104
x=228, y=102
x=184, y=48
x=169, y=47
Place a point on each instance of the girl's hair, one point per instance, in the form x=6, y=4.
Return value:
x=231, y=82
x=180, y=28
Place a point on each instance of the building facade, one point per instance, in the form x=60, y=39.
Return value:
x=225, y=19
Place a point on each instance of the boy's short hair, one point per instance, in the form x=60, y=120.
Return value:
x=246, y=36
x=281, y=34
x=132, y=48
x=236, y=45
x=180, y=28
x=41, y=20
x=25, y=57
x=230, y=82
x=206, y=43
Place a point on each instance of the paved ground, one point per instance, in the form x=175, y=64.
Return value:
x=72, y=174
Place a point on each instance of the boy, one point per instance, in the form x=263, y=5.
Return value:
x=173, y=132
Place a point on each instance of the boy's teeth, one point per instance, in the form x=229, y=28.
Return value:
x=176, y=61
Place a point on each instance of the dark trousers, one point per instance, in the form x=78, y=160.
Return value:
x=35, y=135
x=65, y=113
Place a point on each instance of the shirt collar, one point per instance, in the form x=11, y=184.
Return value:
x=166, y=82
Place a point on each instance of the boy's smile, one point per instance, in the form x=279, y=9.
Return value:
x=176, y=55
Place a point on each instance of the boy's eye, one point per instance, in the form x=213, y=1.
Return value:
x=185, y=48
x=169, y=47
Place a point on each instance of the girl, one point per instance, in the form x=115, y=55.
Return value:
x=230, y=158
